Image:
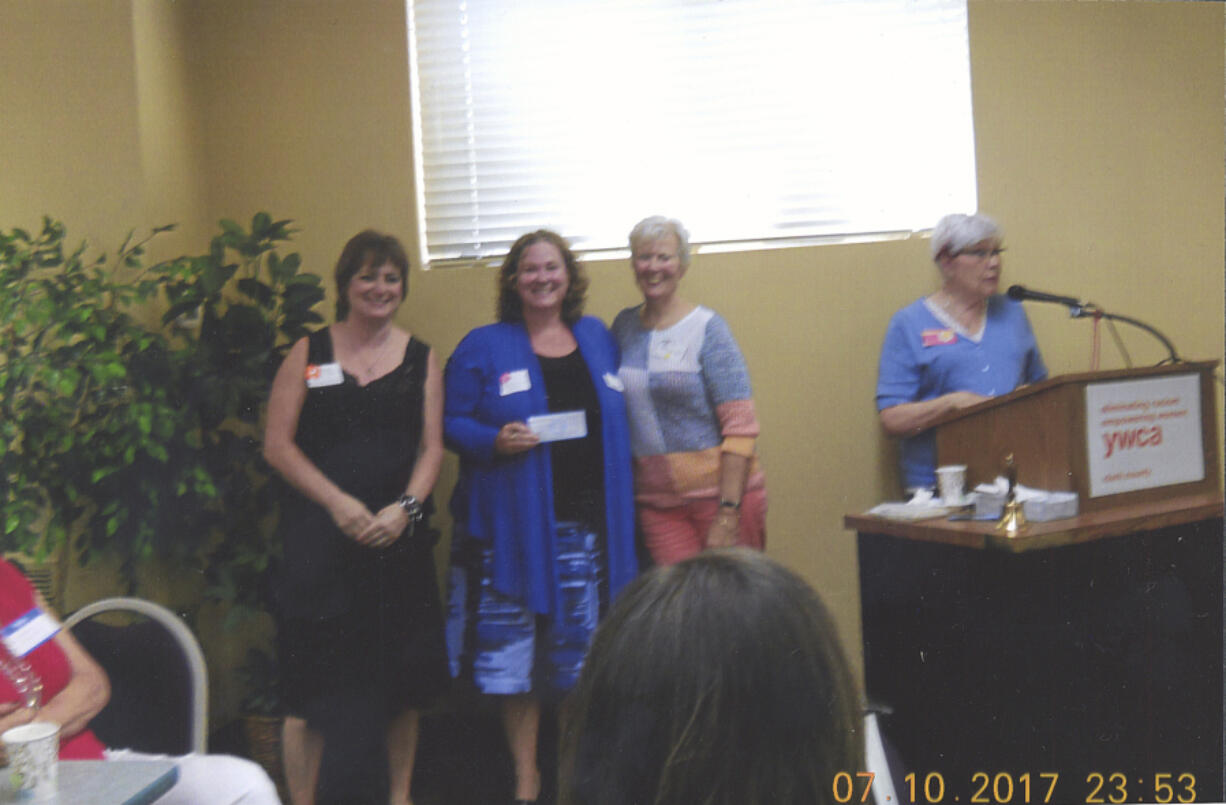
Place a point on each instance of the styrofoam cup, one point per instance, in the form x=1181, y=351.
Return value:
x=951, y=481
x=33, y=751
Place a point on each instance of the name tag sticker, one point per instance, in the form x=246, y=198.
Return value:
x=614, y=382
x=666, y=349
x=559, y=426
x=938, y=338
x=514, y=382
x=28, y=632
x=319, y=375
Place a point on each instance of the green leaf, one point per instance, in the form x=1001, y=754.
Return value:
x=178, y=309
x=259, y=291
x=280, y=230
x=11, y=522
x=260, y=224
x=303, y=279
x=300, y=295
x=290, y=265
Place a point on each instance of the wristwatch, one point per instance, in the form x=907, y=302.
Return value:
x=412, y=506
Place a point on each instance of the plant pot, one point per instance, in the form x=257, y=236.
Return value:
x=263, y=735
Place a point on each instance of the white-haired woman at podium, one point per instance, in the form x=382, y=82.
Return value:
x=955, y=347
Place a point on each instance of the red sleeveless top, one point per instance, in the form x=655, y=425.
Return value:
x=48, y=661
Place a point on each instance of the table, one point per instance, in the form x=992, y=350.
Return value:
x=109, y=782
x=1086, y=647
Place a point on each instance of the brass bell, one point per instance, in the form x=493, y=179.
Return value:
x=1012, y=519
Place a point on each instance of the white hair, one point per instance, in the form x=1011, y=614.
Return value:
x=654, y=227
x=953, y=233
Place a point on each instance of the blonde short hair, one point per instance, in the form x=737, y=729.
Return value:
x=655, y=227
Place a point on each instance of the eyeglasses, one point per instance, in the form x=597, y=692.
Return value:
x=983, y=254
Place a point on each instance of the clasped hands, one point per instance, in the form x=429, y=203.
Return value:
x=374, y=530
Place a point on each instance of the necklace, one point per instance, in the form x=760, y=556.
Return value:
x=374, y=361
x=366, y=358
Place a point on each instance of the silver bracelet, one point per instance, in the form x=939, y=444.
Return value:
x=412, y=507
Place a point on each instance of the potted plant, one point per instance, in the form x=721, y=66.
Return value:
x=143, y=442
x=262, y=713
x=92, y=435
x=251, y=304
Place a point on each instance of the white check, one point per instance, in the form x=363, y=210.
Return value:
x=559, y=426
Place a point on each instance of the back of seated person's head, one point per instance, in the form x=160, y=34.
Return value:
x=716, y=680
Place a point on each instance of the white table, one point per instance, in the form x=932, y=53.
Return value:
x=107, y=782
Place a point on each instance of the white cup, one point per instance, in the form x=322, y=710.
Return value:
x=951, y=479
x=33, y=750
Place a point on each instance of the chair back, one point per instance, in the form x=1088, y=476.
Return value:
x=159, y=682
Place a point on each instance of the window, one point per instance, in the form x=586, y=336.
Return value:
x=749, y=120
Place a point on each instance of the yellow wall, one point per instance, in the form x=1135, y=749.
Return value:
x=174, y=168
x=1100, y=149
x=69, y=135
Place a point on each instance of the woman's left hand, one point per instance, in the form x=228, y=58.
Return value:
x=514, y=438
x=723, y=530
x=386, y=528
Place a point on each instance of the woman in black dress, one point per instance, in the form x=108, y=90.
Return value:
x=355, y=428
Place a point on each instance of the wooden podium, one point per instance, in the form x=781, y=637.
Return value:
x=1086, y=647
x=1046, y=427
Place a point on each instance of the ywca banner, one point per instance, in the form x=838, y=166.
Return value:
x=1144, y=433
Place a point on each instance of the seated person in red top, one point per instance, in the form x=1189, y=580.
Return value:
x=75, y=689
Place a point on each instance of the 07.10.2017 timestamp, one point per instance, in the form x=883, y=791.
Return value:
x=1005, y=788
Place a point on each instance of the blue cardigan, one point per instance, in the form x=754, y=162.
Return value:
x=509, y=499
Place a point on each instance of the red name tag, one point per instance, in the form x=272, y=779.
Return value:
x=938, y=338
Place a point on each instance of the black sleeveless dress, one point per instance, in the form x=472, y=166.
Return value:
x=356, y=621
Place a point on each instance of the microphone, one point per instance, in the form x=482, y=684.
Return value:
x=1079, y=309
x=1019, y=294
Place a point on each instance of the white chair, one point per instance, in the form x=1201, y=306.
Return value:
x=138, y=659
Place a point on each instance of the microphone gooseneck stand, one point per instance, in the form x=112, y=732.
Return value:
x=1083, y=309
x=1080, y=310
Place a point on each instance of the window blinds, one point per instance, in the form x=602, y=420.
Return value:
x=749, y=120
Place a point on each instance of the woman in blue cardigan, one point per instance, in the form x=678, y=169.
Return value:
x=543, y=508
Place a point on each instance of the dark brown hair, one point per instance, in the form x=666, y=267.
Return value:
x=511, y=307
x=719, y=680
x=368, y=248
